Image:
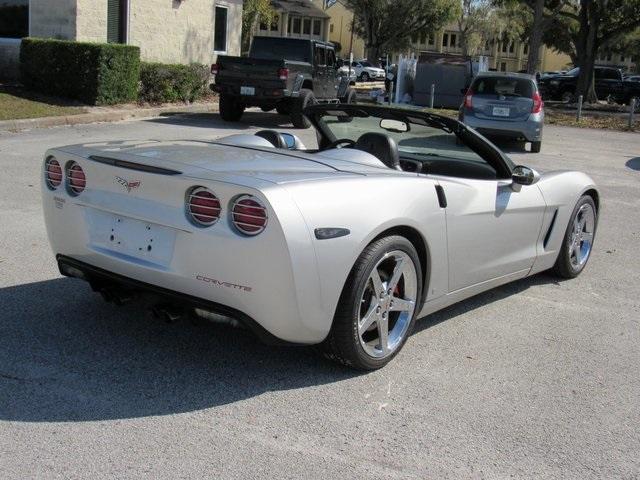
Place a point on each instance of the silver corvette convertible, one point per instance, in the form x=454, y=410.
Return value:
x=395, y=215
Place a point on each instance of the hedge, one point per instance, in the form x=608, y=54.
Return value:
x=162, y=83
x=94, y=73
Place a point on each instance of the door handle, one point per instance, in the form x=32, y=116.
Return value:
x=442, y=198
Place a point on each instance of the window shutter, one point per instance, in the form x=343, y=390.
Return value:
x=114, y=20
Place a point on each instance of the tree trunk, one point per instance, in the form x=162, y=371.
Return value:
x=535, y=39
x=586, y=49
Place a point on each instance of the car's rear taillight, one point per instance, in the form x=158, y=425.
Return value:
x=215, y=68
x=537, y=103
x=203, y=207
x=468, y=99
x=283, y=73
x=53, y=173
x=76, y=179
x=249, y=215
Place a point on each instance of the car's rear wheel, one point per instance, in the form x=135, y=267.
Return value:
x=378, y=305
x=578, y=239
x=231, y=109
x=305, y=98
x=536, y=146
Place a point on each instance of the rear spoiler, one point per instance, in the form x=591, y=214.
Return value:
x=134, y=166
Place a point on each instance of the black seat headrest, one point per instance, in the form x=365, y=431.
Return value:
x=381, y=146
x=273, y=137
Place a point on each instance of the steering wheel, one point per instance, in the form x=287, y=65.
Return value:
x=340, y=141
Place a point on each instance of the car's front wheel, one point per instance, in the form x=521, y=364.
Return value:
x=378, y=305
x=578, y=239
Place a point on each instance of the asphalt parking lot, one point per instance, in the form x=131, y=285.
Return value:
x=537, y=379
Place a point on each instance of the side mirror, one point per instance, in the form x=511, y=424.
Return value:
x=289, y=139
x=524, y=175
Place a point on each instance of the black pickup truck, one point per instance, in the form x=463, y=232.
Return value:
x=282, y=73
x=608, y=82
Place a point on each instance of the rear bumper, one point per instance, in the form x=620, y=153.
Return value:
x=99, y=278
x=529, y=130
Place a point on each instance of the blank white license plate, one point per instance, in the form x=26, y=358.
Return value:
x=500, y=112
x=134, y=238
x=247, y=91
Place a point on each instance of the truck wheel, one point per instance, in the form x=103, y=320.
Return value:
x=365, y=77
x=536, y=146
x=567, y=96
x=299, y=104
x=378, y=305
x=349, y=97
x=283, y=108
x=267, y=108
x=231, y=109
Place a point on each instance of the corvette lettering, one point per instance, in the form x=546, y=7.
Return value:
x=127, y=185
x=218, y=283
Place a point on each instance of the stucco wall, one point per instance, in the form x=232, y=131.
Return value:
x=53, y=19
x=171, y=31
x=91, y=24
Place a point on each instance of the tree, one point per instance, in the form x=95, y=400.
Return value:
x=474, y=25
x=583, y=27
x=254, y=11
x=388, y=25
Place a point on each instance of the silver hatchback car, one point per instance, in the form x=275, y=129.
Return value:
x=506, y=105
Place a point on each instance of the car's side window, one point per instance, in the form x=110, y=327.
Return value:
x=320, y=56
x=331, y=57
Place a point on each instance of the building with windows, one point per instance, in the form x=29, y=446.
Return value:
x=169, y=31
x=297, y=19
x=628, y=63
x=340, y=22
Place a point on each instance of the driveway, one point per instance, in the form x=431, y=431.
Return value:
x=537, y=379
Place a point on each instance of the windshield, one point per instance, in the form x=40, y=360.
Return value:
x=280, y=48
x=425, y=140
x=366, y=64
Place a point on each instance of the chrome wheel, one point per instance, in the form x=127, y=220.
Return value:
x=582, y=232
x=387, y=304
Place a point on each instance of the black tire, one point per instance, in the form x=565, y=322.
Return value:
x=305, y=98
x=343, y=342
x=231, y=109
x=563, y=267
x=535, y=147
x=349, y=97
x=267, y=108
x=283, y=108
x=566, y=96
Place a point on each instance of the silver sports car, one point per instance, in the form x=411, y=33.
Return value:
x=397, y=214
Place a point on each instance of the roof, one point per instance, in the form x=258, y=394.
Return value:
x=298, y=7
x=507, y=74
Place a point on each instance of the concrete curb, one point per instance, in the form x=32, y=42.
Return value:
x=108, y=115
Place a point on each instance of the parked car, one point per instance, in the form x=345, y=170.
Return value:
x=398, y=214
x=366, y=71
x=608, y=82
x=633, y=78
x=285, y=74
x=507, y=105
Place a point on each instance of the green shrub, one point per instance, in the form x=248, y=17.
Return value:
x=161, y=83
x=14, y=21
x=94, y=73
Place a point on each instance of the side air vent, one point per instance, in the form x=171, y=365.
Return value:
x=548, y=235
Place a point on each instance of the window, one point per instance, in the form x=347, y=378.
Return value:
x=423, y=38
x=319, y=55
x=263, y=25
x=275, y=23
x=503, y=66
x=525, y=50
x=452, y=42
x=116, y=21
x=277, y=48
x=504, y=47
x=494, y=86
x=445, y=39
x=512, y=47
x=331, y=57
x=306, y=26
x=331, y=28
x=432, y=39
x=220, y=30
x=317, y=26
x=297, y=23
x=15, y=19
x=622, y=58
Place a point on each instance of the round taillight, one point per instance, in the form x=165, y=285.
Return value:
x=53, y=173
x=249, y=215
x=203, y=207
x=76, y=179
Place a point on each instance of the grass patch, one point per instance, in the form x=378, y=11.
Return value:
x=16, y=103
